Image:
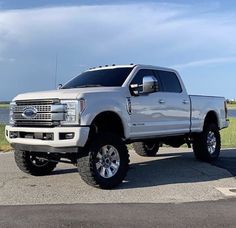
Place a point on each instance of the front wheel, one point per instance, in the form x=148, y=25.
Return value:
x=105, y=163
x=31, y=164
x=207, y=145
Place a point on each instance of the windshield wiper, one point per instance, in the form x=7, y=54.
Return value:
x=91, y=85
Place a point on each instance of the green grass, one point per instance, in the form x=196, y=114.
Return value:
x=4, y=145
x=4, y=105
x=231, y=106
x=228, y=137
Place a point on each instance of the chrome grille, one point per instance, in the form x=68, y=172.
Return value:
x=40, y=108
x=39, y=116
x=37, y=124
x=49, y=113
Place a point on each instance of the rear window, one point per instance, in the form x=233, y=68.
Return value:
x=170, y=82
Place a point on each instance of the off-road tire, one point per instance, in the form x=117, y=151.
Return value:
x=201, y=147
x=24, y=161
x=87, y=163
x=146, y=149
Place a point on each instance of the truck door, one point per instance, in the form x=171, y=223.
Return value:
x=174, y=103
x=147, y=116
x=162, y=113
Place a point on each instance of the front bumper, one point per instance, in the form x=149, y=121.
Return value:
x=55, y=144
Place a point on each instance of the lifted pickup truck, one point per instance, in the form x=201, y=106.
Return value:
x=89, y=121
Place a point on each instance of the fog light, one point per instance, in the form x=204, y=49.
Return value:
x=68, y=135
x=13, y=134
x=7, y=133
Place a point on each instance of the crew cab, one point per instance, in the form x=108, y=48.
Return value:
x=90, y=120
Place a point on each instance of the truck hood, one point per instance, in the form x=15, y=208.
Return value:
x=65, y=93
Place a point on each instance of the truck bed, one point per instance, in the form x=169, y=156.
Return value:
x=200, y=105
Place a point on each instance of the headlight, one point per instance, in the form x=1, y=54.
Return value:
x=73, y=110
x=11, y=114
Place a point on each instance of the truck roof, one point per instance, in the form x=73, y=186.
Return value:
x=113, y=66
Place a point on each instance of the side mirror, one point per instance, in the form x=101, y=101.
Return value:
x=150, y=84
x=135, y=89
x=59, y=86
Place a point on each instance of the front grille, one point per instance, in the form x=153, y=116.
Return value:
x=39, y=116
x=47, y=113
x=36, y=124
x=40, y=108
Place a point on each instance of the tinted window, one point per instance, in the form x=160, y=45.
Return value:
x=138, y=78
x=107, y=77
x=169, y=81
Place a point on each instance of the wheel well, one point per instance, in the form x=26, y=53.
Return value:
x=107, y=122
x=211, y=117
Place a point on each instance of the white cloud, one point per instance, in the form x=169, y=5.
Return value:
x=152, y=33
x=164, y=29
x=205, y=62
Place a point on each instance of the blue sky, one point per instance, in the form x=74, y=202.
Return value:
x=198, y=38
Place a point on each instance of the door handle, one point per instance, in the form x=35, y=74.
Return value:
x=162, y=101
x=185, y=102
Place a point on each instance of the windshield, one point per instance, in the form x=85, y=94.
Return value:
x=107, y=77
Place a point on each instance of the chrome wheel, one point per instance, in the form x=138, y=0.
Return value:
x=107, y=161
x=207, y=144
x=211, y=142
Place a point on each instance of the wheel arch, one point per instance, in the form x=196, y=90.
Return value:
x=211, y=118
x=108, y=121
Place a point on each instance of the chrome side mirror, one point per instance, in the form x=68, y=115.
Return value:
x=150, y=84
x=135, y=89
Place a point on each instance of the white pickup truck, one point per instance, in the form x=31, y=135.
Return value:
x=90, y=119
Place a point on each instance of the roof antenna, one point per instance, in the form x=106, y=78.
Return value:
x=55, y=76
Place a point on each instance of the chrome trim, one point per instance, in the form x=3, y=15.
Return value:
x=107, y=161
x=29, y=113
x=48, y=113
x=41, y=108
x=36, y=124
x=41, y=117
x=211, y=142
x=58, y=108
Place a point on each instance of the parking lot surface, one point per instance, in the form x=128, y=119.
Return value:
x=173, y=176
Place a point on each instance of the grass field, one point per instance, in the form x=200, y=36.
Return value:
x=4, y=105
x=4, y=145
x=228, y=137
x=231, y=106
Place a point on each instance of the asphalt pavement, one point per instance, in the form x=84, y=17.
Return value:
x=170, y=189
x=199, y=214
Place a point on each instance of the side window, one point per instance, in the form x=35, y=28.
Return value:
x=138, y=78
x=170, y=82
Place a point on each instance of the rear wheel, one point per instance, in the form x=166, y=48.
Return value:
x=148, y=148
x=105, y=163
x=206, y=145
x=30, y=163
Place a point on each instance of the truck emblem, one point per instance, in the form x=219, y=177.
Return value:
x=30, y=112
